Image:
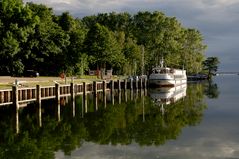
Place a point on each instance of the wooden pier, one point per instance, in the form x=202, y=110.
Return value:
x=19, y=96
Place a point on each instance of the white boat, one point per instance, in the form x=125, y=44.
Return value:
x=167, y=77
x=168, y=95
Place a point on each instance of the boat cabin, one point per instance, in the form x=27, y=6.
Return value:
x=163, y=70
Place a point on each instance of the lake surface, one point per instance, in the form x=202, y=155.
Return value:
x=201, y=124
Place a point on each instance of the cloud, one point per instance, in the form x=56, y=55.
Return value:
x=200, y=148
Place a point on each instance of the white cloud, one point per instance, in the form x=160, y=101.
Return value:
x=198, y=148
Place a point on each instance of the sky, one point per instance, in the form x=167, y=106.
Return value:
x=217, y=20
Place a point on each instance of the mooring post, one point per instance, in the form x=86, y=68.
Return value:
x=95, y=94
x=125, y=95
x=141, y=86
x=141, y=83
x=16, y=106
x=15, y=97
x=125, y=84
x=119, y=85
x=72, y=90
x=145, y=83
x=112, y=91
x=131, y=84
x=104, y=93
x=85, y=96
x=136, y=84
x=38, y=99
x=57, y=92
x=58, y=97
x=119, y=94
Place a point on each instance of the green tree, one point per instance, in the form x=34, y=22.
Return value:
x=50, y=42
x=75, y=60
x=211, y=65
x=16, y=25
x=102, y=47
x=192, y=51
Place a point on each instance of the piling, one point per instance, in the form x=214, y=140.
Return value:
x=131, y=84
x=119, y=85
x=104, y=93
x=72, y=91
x=141, y=83
x=16, y=106
x=38, y=99
x=58, y=97
x=95, y=95
x=112, y=91
x=85, y=96
x=136, y=84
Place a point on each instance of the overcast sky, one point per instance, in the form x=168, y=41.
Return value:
x=218, y=20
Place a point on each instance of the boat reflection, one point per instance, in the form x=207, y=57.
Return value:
x=168, y=95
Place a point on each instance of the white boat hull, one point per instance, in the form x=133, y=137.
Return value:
x=168, y=95
x=167, y=82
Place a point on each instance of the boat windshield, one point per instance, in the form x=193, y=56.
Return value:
x=163, y=71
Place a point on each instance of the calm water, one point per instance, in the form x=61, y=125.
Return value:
x=201, y=125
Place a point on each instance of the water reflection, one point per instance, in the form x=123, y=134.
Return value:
x=129, y=117
x=211, y=90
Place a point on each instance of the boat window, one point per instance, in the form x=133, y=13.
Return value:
x=157, y=71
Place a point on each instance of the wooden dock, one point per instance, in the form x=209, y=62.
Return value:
x=19, y=96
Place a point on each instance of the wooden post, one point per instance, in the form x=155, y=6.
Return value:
x=57, y=92
x=125, y=89
x=119, y=85
x=136, y=84
x=95, y=94
x=125, y=84
x=16, y=106
x=131, y=84
x=112, y=92
x=145, y=92
x=38, y=99
x=125, y=95
x=141, y=87
x=141, y=83
x=73, y=97
x=104, y=93
x=145, y=83
x=15, y=97
x=57, y=89
x=85, y=96
x=82, y=107
x=119, y=94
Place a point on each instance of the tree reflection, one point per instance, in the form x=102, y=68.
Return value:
x=211, y=89
x=139, y=121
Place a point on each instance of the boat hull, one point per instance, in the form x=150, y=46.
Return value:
x=167, y=82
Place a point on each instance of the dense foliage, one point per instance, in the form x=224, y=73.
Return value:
x=210, y=65
x=33, y=37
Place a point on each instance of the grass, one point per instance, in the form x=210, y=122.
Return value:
x=50, y=81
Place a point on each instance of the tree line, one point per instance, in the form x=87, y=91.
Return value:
x=33, y=37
